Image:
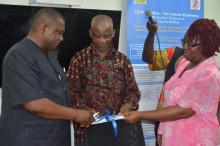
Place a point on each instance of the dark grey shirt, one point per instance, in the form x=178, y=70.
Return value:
x=30, y=74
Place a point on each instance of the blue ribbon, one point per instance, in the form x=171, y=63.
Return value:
x=110, y=118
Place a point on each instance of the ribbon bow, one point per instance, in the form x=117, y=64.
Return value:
x=110, y=118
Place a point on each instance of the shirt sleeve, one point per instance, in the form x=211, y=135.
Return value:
x=73, y=76
x=23, y=81
x=132, y=93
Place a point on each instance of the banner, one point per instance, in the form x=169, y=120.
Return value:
x=173, y=18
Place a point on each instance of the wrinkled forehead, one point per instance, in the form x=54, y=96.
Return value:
x=102, y=28
x=55, y=21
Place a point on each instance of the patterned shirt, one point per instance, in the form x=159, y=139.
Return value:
x=164, y=55
x=101, y=83
x=168, y=63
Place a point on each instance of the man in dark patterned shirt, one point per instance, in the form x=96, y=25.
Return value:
x=101, y=78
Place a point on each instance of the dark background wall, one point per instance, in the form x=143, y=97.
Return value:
x=15, y=21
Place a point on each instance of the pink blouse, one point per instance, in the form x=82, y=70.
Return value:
x=197, y=88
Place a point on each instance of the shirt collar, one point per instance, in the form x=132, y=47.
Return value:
x=108, y=56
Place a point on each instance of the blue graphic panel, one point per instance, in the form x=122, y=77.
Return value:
x=173, y=18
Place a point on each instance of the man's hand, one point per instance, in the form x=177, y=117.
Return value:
x=84, y=117
x=132, y=117
x=125, y=108
x=159, y=139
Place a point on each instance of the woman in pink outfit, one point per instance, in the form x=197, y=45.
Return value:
x=188, y=116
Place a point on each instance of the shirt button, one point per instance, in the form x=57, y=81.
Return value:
x=59, y=77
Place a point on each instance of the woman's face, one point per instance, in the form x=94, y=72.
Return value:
x=193, y=50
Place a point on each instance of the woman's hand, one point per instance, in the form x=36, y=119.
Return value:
x=132, y=117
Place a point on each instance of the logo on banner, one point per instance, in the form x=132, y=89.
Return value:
x=195, y=4
x=140, y=1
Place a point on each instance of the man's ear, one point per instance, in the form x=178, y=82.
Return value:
x=43, y=27
x=113, y=33
x=90, y=33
